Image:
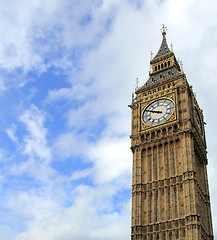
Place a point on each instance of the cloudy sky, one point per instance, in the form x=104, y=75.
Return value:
x=67, y=72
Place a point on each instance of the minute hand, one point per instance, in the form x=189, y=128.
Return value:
x=153, y=111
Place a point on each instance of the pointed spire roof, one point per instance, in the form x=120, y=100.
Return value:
x=164, y=66
x=164, y=49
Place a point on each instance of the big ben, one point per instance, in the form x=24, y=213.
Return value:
x=170, y=194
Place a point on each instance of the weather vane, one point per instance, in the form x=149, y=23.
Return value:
x=164, y=29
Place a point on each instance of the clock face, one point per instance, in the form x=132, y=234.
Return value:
x=198, y=121
x=158, y=112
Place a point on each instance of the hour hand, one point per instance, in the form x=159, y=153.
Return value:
x=152, y=111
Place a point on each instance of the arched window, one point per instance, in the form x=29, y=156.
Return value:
x=157, y=207
x=176, y=212
x=168, y=164
x=174, y=167
x=169, y=204
x=150, y=162
x=151, y=207
x=156, y=166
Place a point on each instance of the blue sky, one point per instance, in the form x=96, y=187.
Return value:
x=67, y=72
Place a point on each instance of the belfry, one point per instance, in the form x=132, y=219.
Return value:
x=170, y=194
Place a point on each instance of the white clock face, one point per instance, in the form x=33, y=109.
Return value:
x=158, y=112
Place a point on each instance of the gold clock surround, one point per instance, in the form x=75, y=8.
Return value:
x=172, y=97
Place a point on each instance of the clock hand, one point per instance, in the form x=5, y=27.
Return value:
x=153, y=111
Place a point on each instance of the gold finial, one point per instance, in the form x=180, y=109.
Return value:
x=163, y=30
x=171, y=46
x=137, y=84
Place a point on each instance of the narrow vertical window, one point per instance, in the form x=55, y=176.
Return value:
x=151, y=208
x=168, y=165
x=169, y=204
x=157, y=207
x=174, y=169
x=156, y=166
x=176, y=213
x=150, y=168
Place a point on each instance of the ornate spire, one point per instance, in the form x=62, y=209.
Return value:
x=164, y=49
x=163, y=66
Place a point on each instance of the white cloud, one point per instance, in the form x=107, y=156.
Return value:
x=3, y=155
x=112, y=161
x=70, y=145
x=35, y=142
x=179, y=10
x=6, y=231
x=32, y=31
x=83, y=219
x=78, y=91
x=11, y=132
x=76, y=175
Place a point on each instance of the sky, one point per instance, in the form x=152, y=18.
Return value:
x=67, y=73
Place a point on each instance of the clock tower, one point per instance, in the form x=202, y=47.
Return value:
x=170, y=194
